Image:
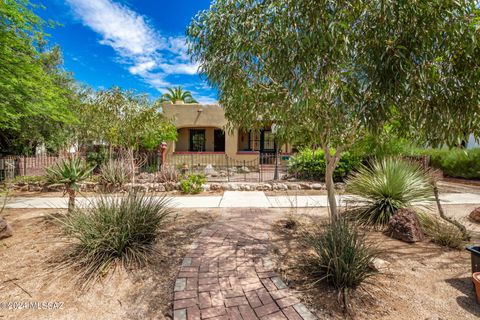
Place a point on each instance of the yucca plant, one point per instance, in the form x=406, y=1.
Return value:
x=114, y=229
x=342, y=256
x=387, y=185
x=69, y=173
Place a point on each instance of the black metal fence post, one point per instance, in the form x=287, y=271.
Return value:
x=228, y=172
x=191, y=163
x=244, y=169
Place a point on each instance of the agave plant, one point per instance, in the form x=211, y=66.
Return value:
x=388, y=185
x=178, y=94
x=69, y=173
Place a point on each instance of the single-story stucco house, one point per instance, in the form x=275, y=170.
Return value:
x=201, y=135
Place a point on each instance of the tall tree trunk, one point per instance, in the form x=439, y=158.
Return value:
x=331, y=164
x=461, y=227
x=71, y=199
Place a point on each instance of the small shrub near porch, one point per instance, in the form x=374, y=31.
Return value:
x=193, y=183
x=309, y=164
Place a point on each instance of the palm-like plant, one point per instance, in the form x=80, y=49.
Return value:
x=178, y=94
x=388, y=185
x=69, y=173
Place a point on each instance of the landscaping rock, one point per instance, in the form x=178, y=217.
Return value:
x=379, y=264
x=215, y=186
x=405, y=226
x=232, y=187
x=264, y=187
x=280, y=186
x=294, y=186
x=5, y=230
x=475, y=215
x=209, y=171
x=305, y=186
x=318, y=186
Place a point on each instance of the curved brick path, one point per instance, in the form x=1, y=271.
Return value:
x=227, y=274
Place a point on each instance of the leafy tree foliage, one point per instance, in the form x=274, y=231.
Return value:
x=177, y=94
x=332, y=70
x=29, y=82
x=122, y=118
x=35, y=92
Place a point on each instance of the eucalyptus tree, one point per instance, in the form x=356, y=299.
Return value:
x=334, y=70
x=177, y=94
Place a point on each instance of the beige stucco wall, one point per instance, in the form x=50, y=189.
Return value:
x=209, y=117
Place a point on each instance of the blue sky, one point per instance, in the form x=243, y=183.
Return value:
x=134, y=44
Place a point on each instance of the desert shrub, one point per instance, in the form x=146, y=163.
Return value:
x=457, y=163
x=115, y=173
x=114, y=229
x=69, y=173
x=388, y=185
x=29, y=179
x=441, y=232
x=168, y=174
x=192, y=183
x=96, y=158
x=311, y=165
x=341, y=255
x=152, y=164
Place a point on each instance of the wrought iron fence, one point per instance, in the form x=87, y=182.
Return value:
x=217, y=167
x=222, y=168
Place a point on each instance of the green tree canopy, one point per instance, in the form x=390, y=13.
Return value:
x=36, y=94
x=29, y=82
x=123, y=119
x=332, y=70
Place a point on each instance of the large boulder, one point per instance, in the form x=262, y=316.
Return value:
x=405, y=226
x=475, y=215
x=5, y=230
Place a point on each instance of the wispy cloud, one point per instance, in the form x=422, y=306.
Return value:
x=147, y=53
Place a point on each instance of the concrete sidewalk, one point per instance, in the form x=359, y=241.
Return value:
x=232, y=199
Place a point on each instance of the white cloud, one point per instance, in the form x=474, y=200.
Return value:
x=179, y=68
x=149, y=54
x=206, y=100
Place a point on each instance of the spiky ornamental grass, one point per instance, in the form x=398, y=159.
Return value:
x=114, y=229
x=342, y=256
x=115, y=173
x=388, y=185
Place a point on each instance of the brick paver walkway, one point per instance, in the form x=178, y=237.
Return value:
x=227, y=274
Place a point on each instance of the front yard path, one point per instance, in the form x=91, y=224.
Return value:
x=227, y=273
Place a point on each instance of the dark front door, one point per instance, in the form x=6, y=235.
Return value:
x=267, y=142
x=267, y=147
x=197, y=140
x=218, y=140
